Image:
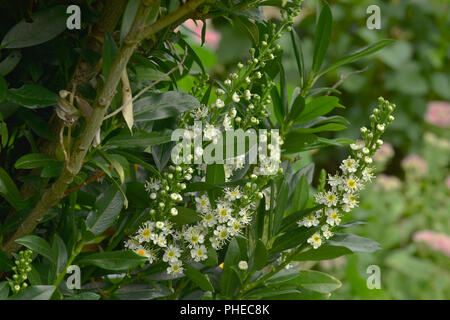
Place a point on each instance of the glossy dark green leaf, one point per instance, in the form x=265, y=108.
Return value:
x=4, y=290
x=5, y=263
x=324, y=252
x=282, y=276
x=322, y=37
x=3, y=88
x=46, y=25
x=10, y=62
x=296, y=142
x=139, y=139
x=109, y=54
x=248, y=28
x=113, y=260
x=281, y=201
x=32, y=96
x=354, y=243
x=185, y=216
x=9, y=191
x=301, y=194
x=317, y=281
x=215, y=174
x=292, y=239
x=35, y=293
x=36, y=123
x=163, y=105
x=60, y=252
x=198, y=278
x=298, y=105
x=229, y=284
x=128, y=18
x=260, y=255
x=107, y=208
x=34, y=160
x=317, y=107
x=39, y=246
x=84, y=296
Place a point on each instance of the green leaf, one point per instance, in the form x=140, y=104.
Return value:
x=322, y=37
x=281, y=201
x=248, y=28
x=301, y=194
x=362, y=52
x=60, y=252
x=296, y=142
x=10, y=62
x=324, y=252
x=185, y=216
x=215, y=174
x=325, y=127
x=317, y=281
x=142, y=292
x=4, y=290
x=354, y=243
x=230, y=280
x=139, y=139
x=260, y=255
x=163, y=105
x=292, y=239
x=36, y=123
x=128, y=18
x=282, y=276
x=197, y=277
x=5, y=263
x=113, y=260
x=317, y=107
x=47, y=24
x=84, y=296
x=108, y=207
x=297, y=108
x=9, y=191
x=34, y=160
x=109, y=53
x=35, y=293
x=38, y=245
x=212, y=259
x=277, y=106
x=32, y=96
x=3, y=88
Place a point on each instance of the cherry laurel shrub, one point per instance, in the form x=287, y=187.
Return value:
x=117, y=174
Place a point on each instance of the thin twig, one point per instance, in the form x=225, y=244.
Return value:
x=343, y=77
x=164, y=76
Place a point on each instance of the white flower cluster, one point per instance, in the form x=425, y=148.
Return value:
x=343, y=192
x=237, y=106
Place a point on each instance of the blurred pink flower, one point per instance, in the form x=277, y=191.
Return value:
x=438, y=113
x=415, y=164
x=212, y=37
x=387, y=183
x=447, y=182
x=436, y=241
x=384, y=154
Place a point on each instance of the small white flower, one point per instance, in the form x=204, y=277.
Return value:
x=220, y=103
x=171, y=254
x=233, y=194
x=333, y=218
x=331, y=199
x=243, y=265
x=153, y=185
x=380, y=127
x=315, y=240
x=349, y=165
x=247, y=95
x=174, y=211
x=235, y=97
x=175, y=268
x=223, y=212
x=227, y=82
x=199, y=253
x=326, y=232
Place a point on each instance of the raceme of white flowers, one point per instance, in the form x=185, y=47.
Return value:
x=342, y=195
x=237, y=106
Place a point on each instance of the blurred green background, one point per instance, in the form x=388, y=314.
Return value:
x=407, y=209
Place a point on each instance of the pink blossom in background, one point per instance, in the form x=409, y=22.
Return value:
x=436, y=241
x=438, y=113
x=415, y=164
x=212, y=37
x=384, y=154
x=387, y=183
x=447, y=182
